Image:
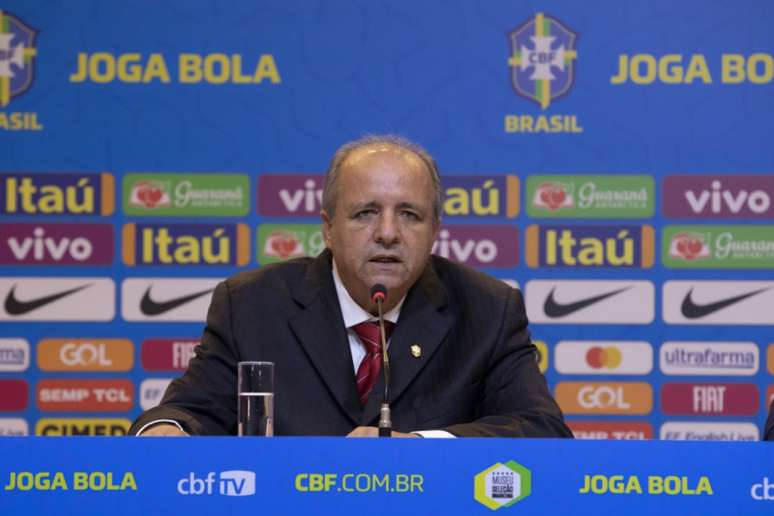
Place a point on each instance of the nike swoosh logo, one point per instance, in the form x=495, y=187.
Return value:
x=16, y=307
x=693, y=311
x=555, y=309
x=150, y=307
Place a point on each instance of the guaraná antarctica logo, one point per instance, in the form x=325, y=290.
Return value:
x=542, y=59
x=17, y=50
x=502, y=485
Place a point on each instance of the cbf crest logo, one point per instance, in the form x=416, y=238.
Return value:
x=542, y=59
x=17, y=50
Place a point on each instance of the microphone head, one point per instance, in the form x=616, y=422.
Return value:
x=378, y=293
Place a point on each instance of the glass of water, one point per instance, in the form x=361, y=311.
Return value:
x=255, y=390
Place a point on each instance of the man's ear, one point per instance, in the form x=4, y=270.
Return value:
x=327, y=221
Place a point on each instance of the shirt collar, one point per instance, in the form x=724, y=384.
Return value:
x=352, y=312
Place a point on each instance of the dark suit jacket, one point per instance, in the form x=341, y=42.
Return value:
x=476, y=376
x=768, y=431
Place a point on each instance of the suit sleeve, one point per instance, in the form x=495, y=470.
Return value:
x=204, y=399
x=515, y=400
x=768, y=431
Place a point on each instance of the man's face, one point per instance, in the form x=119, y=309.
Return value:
x=384, y=226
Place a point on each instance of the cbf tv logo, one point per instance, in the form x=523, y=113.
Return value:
x=17, y=50
x=542, y=59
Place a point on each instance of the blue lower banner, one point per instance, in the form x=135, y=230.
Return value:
x=221, y=475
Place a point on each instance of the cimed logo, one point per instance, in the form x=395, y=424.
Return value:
x=542, y=59
x=17, y=50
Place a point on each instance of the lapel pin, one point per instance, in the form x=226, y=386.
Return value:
x=416, y=351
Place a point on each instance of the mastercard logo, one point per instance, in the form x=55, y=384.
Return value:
x=608, y=357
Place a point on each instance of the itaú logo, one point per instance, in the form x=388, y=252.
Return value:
x=229, y=483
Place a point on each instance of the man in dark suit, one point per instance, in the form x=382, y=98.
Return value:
x=768, y=430
x=462, y=362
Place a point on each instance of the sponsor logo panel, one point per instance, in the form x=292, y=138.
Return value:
x=604, y=397
x=279, y=242
x=77, y=481
x=167, y=354
x=502, y=484
x=166, y=299
x=300, y=195
x=479, y=246
x=669, y=485
x=603, y=357
x=92, y=395
x=56, y=194
x=186, y=244
x=693, y=431
x=719, y=196
x=67, y=426
x=709, y=358
x=590, y=196
x=718, y=247
x=85, y=354
x=211, y=195
x=769, y=395
x=618, y=430
x=13, y=426
x=57, y=299
x=718, y=302
x=770, y=358
x=592, y=302
x=542, y=355
x=709, y=399
x=56, y=244
x=15, y=395
x=590, y=246
x=14, y=355
x=225, y=483
x=152, y=390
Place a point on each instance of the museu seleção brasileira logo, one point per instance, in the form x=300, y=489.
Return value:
x=17, y=50
x=542, y=59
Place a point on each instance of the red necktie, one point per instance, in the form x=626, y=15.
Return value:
x=369, y=368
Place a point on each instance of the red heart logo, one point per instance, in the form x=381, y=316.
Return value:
x=284, y=246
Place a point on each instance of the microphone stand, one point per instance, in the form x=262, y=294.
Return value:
x=385, y=423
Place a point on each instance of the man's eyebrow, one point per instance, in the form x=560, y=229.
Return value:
x=364, y=206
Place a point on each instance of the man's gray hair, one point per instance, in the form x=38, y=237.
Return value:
x=332, y=174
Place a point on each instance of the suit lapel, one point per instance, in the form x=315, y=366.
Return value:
x=319, y=327
x=422, y=323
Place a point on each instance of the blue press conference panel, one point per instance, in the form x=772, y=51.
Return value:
x=149, y=150
x=340, y=476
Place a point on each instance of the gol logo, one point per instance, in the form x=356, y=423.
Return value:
x=770, y=358
x=607, y=357
x=605, y=397
x=85, y=355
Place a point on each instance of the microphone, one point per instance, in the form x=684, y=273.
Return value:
x=378, y=296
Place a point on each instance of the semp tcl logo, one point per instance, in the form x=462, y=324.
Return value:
x=229, y=483
x=763, y=490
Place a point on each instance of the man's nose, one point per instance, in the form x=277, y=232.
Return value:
x=387, y=231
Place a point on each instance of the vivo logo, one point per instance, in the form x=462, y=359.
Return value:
x=719, y=196
x=229, y=483
x=479, y=246
x=62, y=244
